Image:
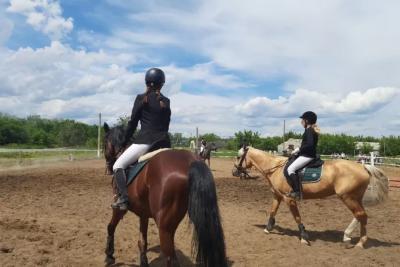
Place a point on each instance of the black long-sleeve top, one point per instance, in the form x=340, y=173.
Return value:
x=308, y=146
x=154, y=120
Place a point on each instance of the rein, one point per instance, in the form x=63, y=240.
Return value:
x=265, y=172
x=271, y=170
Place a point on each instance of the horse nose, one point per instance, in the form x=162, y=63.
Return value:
x=235, y=172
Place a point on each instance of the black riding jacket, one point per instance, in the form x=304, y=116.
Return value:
x=308, y=146
x=154, y=120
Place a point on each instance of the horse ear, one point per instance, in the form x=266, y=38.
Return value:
x=106, y=127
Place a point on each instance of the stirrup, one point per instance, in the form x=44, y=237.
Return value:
x=294, y=195
x=120, y=204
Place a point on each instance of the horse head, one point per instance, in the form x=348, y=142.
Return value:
x=113, y=145
x=242, y=164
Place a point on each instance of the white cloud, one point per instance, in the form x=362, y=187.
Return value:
x=43, y=15
x=324, y=46
x=6, y=27
x=325, y=104
x=342, y=53
x=58, y=81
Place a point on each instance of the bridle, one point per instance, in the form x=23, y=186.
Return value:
x=110, y=163
x=240, y=170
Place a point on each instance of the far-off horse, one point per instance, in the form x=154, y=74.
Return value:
x=206, y=154
x=348, y=180
x=171, y=184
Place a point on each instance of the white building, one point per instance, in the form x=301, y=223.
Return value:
x=374, y=145
x=289, y=145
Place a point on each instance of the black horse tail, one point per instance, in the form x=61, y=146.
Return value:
x=208, y=244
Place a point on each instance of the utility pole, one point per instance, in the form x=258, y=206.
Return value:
x=197, y=140
x=283, y=137
x=98, y=137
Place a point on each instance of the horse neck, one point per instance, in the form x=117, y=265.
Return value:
x=262, y=160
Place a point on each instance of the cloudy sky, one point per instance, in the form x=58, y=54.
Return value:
x=230, y=65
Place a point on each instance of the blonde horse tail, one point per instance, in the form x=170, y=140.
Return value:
x=378, y=187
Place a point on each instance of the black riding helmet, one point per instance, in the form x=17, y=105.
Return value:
x=155, y=77
x=310, y=117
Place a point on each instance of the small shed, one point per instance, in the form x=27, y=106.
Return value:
x=288, y=145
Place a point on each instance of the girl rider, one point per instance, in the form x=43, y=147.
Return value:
x=153, y=111
x=305, y=154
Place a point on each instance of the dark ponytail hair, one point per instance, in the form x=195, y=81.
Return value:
x=157, y=91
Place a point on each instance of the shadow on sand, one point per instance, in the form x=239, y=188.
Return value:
x=333, y=236
x=160, y=261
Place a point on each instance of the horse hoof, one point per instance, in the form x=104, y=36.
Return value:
x=346, y=239
x=266, y=231
x=109, y=260
x=360, y=245
x=144, y=263
x=305, y=242
x=348, y=245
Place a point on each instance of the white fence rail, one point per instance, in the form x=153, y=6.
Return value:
x=369, y=159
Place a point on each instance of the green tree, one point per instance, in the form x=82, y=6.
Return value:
x=210, y=137
x=390, y=146
x=366, y=148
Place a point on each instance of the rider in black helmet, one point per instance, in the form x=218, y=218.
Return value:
x=306, y=153
x=153, y=111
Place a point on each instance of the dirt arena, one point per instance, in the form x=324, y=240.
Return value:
x=56, y=215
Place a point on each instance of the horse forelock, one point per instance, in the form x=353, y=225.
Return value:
x=116, y=136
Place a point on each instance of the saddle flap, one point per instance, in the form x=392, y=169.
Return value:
x=133, y=170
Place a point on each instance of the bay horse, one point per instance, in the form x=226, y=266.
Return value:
x=348, y=180
x=172, y=184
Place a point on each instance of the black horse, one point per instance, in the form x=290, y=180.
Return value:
x=206, y=154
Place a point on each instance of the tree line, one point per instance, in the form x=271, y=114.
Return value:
x=35, y=131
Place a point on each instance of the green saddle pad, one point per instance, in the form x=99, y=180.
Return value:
x=311, y=175
x=133, y=170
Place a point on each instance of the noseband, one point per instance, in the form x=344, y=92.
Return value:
x=240, y=170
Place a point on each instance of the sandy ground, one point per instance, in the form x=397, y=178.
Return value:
x=56, y=215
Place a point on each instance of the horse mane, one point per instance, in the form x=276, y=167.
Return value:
x=117, y=136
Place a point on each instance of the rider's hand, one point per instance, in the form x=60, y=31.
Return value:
x=295, y=152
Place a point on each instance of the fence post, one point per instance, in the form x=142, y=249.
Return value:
x=372, y=159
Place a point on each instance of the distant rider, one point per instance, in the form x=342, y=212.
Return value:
x=305, y=154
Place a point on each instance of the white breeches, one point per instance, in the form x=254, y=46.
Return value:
x=299, y=163
x=130, y=155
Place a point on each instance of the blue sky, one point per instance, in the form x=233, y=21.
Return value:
x=230, y=65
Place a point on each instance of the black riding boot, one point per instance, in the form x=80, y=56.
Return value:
x=295, y=183
x=120, y=180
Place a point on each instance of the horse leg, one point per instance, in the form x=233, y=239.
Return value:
x=304, y=238
x=116, y=217
x=274, y=209
x=349, y=230
x=359, y=213
x=142, y=243
x=167, y=247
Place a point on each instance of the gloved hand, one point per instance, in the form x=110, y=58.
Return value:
x=295, y=152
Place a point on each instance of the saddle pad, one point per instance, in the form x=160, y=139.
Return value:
x=311, y=175
x=133, y=170
x=151, y=154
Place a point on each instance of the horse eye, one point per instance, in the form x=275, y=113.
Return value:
x=237, y=157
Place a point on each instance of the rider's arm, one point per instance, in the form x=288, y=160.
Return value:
x=135, y=116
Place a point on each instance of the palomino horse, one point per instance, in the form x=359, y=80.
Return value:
x=206, y=154
x=172, y=183
x=347, y=179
